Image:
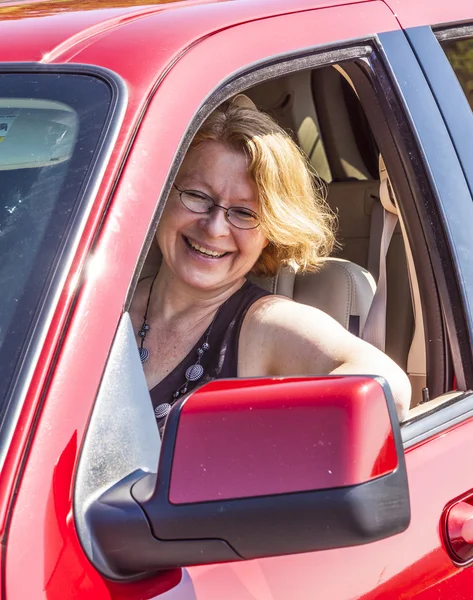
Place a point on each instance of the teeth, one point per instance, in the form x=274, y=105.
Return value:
x=205, y=250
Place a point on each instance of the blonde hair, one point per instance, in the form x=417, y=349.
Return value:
x=294, y=215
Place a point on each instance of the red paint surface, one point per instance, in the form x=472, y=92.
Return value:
x=276, y=436
x=436, y=12
x=413, y=564
x=43, y=558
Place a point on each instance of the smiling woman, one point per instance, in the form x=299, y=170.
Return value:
x=244, y=201
x=207, y=250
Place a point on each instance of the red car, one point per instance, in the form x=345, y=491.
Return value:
x=267, y=488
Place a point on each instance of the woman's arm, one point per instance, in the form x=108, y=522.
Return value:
x=282, y=337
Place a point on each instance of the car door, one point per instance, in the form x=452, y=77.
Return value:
x=57, y=566
x=415, y=562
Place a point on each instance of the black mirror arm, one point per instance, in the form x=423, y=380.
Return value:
x=124, y=545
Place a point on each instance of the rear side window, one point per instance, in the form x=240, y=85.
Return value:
x=51, y=126
x=460, y=55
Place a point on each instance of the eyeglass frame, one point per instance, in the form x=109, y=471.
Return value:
x=218, y=206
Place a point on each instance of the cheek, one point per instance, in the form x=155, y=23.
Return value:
x=261, y=241
x=172, y=220
x=256, y=244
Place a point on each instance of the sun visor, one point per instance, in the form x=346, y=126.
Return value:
x=35, y=133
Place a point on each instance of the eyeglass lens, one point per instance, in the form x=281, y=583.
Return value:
x=240, y=217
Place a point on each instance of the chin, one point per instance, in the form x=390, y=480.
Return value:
x=204, y=280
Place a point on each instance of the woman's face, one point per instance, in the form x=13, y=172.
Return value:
x=184, y=237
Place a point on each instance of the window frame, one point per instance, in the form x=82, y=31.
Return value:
x=337, y=53
x=453, y=32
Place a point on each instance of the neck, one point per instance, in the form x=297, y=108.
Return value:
x=173, y=300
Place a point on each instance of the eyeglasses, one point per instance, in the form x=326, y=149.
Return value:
x=238, y=216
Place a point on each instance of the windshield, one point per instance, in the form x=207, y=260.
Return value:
x=51, y=125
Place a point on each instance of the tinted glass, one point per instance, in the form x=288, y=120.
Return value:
x=460, y=55
x=50, y=129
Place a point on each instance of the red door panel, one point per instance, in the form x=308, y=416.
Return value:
x=412, y=564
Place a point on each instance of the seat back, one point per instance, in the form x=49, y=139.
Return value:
x=342, y=289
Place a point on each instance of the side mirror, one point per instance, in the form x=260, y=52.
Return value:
x=260, y=467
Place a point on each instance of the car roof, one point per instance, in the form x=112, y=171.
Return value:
x=47, y=30
x=35, y=29
x=138, y=39
x=110, y=33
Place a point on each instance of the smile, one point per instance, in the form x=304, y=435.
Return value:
x=202, y=250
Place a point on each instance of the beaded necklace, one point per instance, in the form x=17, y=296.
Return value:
x=192, y=374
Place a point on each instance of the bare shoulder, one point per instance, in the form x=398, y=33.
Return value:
x=278, y=335
x=282, y=337
x=283, y=314
x=285, y=337
x=266, y=312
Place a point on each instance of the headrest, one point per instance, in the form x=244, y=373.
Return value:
x=342, y=289
x=244, y=101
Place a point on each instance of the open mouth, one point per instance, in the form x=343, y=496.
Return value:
x=202, y=250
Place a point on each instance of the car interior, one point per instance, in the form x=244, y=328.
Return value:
x=322, y=110
x=369, y=285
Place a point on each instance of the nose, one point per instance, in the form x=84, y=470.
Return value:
x=215, y=223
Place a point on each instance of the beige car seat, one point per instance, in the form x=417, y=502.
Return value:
x=342, y=289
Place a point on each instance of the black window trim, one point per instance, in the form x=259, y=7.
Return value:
x=88, y=192
x=437, y=420
x=453, y=32
x=456, y=270
x=425, y=42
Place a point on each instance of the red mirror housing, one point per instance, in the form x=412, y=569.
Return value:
x=280, y=436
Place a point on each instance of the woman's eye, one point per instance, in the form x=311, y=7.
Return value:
x=241, y=213
x=198, y=196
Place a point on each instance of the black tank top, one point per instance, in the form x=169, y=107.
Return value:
x=221, y=360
